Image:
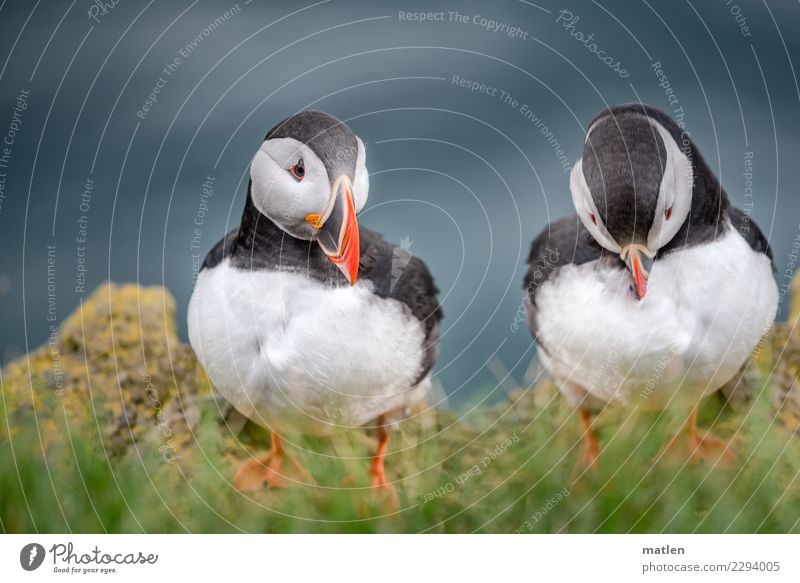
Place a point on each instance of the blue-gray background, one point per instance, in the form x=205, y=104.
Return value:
x=467, y=178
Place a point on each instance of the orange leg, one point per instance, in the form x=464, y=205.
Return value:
x=707, y=448
x=377, y=471
x=702, y=448
x=253, y=473
x=591, y=449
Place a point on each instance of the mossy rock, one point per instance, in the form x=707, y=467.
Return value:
x=114, y=369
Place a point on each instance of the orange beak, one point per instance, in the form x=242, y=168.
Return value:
x=337, y=230
x=639, y=265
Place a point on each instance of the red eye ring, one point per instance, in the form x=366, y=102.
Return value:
x=667, y=213
x=298, y=170
x=594, y=218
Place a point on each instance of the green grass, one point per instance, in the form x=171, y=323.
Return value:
x=534, y=482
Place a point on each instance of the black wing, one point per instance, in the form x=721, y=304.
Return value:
x=750, y=232
x=563, y=242
x=398, y=275
x=221, y=250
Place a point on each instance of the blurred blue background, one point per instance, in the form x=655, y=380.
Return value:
x=469, y=177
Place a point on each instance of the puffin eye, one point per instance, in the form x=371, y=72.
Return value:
x=298, y=170
x=667, y=213
x=594, y=218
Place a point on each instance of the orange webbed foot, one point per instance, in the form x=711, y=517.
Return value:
x=702, y=448
x=385, y=493
x=710, y=449
x=271, y=469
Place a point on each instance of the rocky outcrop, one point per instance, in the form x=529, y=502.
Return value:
x=114, y=369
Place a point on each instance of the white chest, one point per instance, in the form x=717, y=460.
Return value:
x=706, y=309
x=279, y=345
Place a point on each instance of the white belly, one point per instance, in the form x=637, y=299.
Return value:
x=705, y=310
x=286, y=350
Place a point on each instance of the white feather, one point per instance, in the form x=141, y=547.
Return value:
x=584, y=204
x=705, y=310
x=284, y=349
x=674, y=193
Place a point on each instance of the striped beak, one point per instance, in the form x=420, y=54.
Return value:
x=337, y=229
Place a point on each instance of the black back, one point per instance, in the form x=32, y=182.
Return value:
x=624, y=159
x=750, y=232
x=710, y=206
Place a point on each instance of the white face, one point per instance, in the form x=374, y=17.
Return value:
x=290, y=182
x=672, y=207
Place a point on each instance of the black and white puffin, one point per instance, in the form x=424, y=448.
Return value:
x=657, y=289
x=303, y=320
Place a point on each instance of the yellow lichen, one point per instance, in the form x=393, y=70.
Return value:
x=115, y=369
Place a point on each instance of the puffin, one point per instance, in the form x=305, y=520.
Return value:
x=657, y=290
x=305, y=321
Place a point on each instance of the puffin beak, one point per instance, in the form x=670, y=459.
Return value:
x=337, y=229
x=637, y=259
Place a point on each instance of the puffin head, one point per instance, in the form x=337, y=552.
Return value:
x=632, y=188
x=309, y=178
